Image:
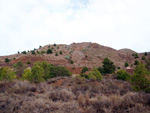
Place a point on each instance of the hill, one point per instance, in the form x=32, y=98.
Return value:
x=74, y=55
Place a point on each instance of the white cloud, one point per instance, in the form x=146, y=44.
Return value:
x=29, y=23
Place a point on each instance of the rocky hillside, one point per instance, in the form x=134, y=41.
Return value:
x=74, y=55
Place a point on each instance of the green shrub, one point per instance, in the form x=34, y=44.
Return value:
x=145, y=54
x=136, y=62
x=141, y=79
x=133, y=54
x=148, y=65
x=37, y=74
x=100, y=69
x=126, y=64
x=143, y=58
x=67, y=57
x=84, y=75
x=28, y=62
x=60, y=52
x=56, y=54
x=123, y=75
x=84, y=69
x=95, y=74
x=42, y=52
x=7, y=74
x=27, y=75
x=108, y=66
x=46, y=68
x=33, y=52
x=38, y=52
x=118, y=67
x=71, y=62
x=56, y=71
x=136, y=55
x=7, y=60
x=19, y=67
x=49, y=51
x=24, y=52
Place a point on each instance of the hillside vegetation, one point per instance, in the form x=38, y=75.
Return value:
x=62, y=79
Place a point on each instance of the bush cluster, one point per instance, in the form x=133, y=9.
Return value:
x=95, y=74
x=7, y=74
x=123, y=75
x=141, y=79
x=43, y=71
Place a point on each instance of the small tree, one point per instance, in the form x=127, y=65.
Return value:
x=33, y=52
x=27, y=75
x=100, y=69
x=136, y=62
x=143, y=58
x=56, y=71
x=71, y=62
x=54, y=44
x=24, y=52
x=60, y=52
x=84, y=69
x=95, y=74
x=141, y=80
x=19, y=67
x=49, y=51
x=148, y=64
x=42, y=52
x=7, y=74
x=145, y=53
x=123, y=75
x=136, y=55
x=28, y=62
x=37, y=74
x=7, y=60
x=126, y=64
x=56, y=54
x=108, y=66
x=46, y=68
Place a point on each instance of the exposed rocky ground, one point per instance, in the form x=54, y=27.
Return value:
x=82, y=54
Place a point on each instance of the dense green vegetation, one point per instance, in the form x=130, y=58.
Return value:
x=7, y=60
x=84, y=69
x=49, y=51
x=126, y=64
x=108, y=66
x=95, y=74
x=123, y=75
x=7, y=74
x=40, y=71
x=141, y=79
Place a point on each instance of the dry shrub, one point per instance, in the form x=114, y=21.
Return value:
x=101, y=105
x=61, y=95
x=70, y=107
x=83, y=100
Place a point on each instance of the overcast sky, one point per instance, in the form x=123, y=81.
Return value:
x=26, y=24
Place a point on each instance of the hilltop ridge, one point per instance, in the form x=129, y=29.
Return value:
x=80, y=54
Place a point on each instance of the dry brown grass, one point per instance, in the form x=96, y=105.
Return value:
x=83, y=96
